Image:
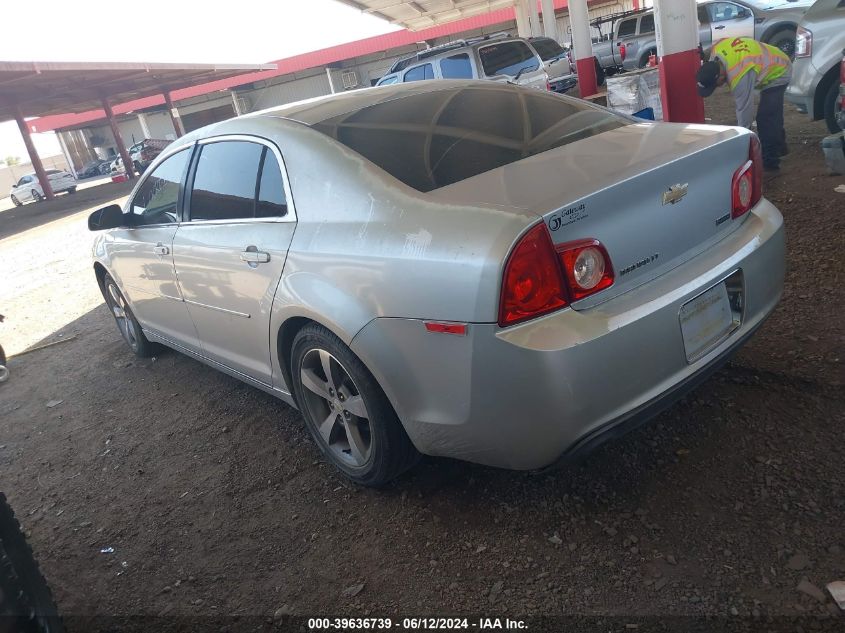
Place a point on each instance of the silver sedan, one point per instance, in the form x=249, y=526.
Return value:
x=464, y=269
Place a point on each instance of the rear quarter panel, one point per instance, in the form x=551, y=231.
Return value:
x=367, y=246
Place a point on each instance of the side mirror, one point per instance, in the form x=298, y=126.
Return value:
x=110, y=217
x=743, y=13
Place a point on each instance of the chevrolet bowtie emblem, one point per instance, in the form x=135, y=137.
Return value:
x=675, y=193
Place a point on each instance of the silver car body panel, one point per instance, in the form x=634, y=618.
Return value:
x=371, y=258
x=826, y=21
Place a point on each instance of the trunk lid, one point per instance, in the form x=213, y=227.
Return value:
x=618, y=186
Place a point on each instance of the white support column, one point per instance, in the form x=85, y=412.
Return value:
x=523, y=26
x=582, y=44
x=676, y=25
x=145, y=129
x=236, y=104
x=67, y=154
x=331, y=81
x=534, y=18
x=549, y=23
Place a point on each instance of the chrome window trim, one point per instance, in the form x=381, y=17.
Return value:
x=127, y=209
x=290, y=216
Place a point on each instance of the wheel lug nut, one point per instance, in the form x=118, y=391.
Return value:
x=346, y=414
x=340, y=395
x=331, y=392
x=331, y=405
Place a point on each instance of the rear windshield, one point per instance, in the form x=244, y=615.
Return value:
x=547, y=49
x=507, y=58
x=433, y=139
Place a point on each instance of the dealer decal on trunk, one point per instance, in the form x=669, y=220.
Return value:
x=568, y=216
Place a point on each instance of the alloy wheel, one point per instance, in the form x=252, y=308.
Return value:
x=335, y=407
x=125, y=324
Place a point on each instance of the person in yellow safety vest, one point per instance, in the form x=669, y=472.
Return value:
x=745, y=65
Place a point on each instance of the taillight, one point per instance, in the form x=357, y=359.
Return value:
x=532, y=284
x=541, y=278
x=623, y=51
x=747, y=183
x=586, y=266
x=803, y=42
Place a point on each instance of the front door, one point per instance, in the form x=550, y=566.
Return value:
x=142, y=259
x=230, y=251
x=729, y=20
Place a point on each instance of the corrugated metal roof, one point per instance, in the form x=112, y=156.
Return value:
x=289, y=65
x=415, y=15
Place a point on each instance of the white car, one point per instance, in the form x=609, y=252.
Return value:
x=28, y=188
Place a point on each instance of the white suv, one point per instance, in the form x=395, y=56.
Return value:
x=496, y=57
x=28, y=188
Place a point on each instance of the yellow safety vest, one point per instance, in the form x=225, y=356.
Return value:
x=742, y=54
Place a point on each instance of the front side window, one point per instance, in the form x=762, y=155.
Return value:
x=388, y=81
x=225, y=181
x=723, y=11
x=456, y=67
x=157, y=199
x=23, y=181
x=507, y=58
x=547, y=48
x=419, y=73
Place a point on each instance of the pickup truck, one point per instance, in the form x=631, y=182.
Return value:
x=632, y=39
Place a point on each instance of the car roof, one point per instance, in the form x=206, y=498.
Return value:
x=313, y=111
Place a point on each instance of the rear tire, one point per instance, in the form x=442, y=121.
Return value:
x=127, y=324
x=26, y=603
x=72, y=190
x=15, y=201
x=346, y=411
x=36, y=196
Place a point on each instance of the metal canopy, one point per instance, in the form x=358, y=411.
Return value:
x=420, y=14
x=42, y=88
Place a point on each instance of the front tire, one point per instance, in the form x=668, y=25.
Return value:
x=785, y=41
x=830, y=108
x=126, y=322
x=346, y=411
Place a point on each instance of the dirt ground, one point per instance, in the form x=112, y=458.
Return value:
x=164, y=488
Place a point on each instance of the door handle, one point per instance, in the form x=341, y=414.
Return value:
x=160, y=249
x=720, y=27
x=255, y=257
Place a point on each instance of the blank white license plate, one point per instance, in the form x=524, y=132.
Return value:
x=705, y=321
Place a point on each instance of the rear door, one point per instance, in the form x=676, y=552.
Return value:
x=730, y=20
x=230, y=250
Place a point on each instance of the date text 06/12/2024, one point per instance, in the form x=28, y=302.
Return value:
x=416, y=624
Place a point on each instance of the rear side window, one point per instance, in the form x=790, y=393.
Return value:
x=272, y=202
x=628, y=27
x=647, y=24
x=419, y=73
x=507, y=58
x=157, y=200
x=436, y=138
x=225, y=181
x=456, y=67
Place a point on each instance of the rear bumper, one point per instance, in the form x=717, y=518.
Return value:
x=523, y=397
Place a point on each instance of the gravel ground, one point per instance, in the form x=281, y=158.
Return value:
x=163, y=488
